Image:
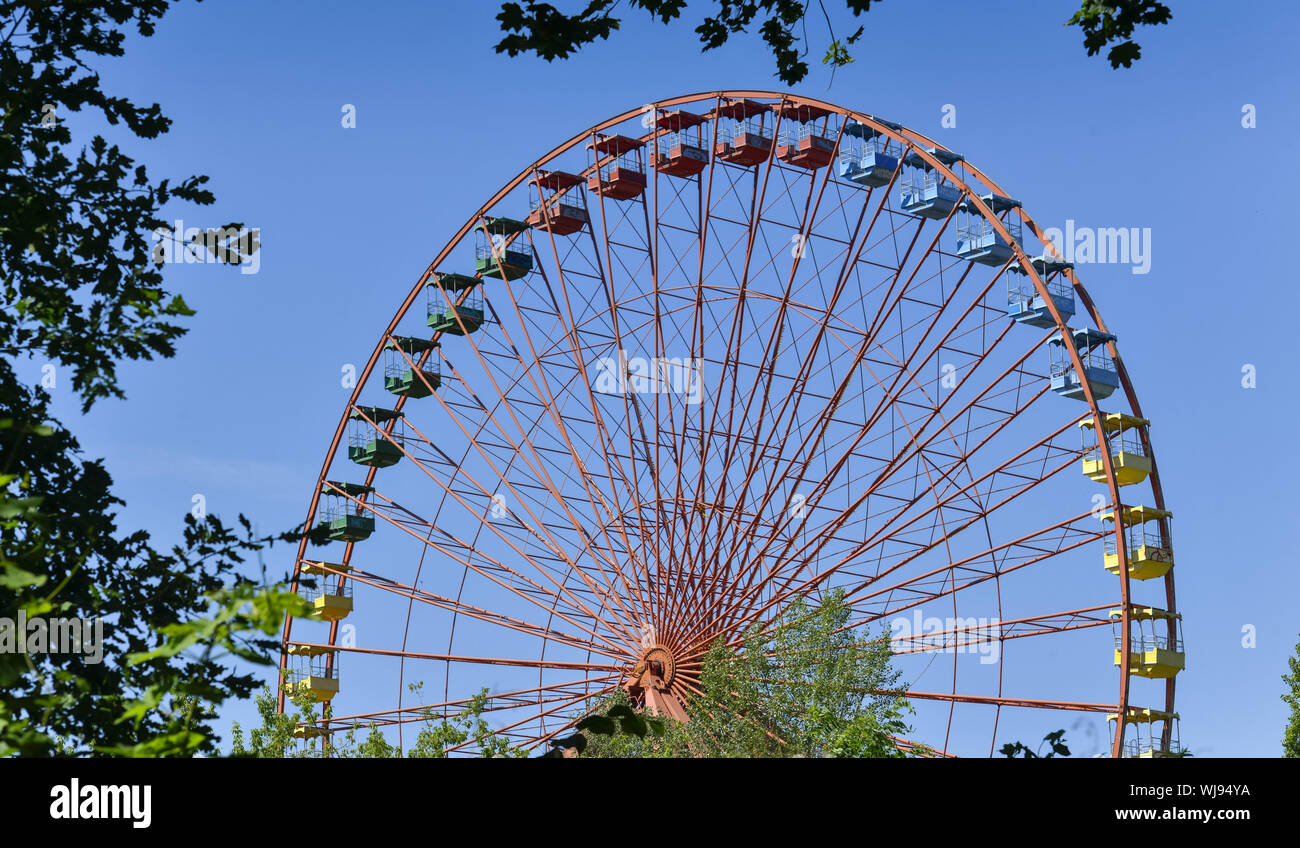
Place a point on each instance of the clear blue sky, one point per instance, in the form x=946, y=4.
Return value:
x=244, y=412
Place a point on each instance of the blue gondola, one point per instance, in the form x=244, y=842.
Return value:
x=1098, y=367
x=866, y=155
x=1026, y=306
x=925, y=193
x=978, y=241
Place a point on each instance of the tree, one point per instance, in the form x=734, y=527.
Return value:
x=275, y=739
x=82, y=289
x=1291, y=738
x=808, y=685
x=82, y=284
x=1055, y=742
x=170, y=618
x=541, y=29
x=617, y=720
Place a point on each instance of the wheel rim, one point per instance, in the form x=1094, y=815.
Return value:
x=706, y=548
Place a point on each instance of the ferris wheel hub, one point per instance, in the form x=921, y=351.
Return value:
x=650, y=681
x=655, y=668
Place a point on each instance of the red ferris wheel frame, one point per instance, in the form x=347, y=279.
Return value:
x=925, y=149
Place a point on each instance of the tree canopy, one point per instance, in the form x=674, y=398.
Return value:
x=1291, y=736
x=543, y=30
x=82, y=290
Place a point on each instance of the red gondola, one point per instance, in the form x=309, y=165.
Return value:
x=619, y=174
x=550, y=212
x=803, y=142
x=679, y=153
x=741, y=139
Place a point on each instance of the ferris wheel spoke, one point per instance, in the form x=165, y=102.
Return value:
x=980, y=633
x=698, y=338
x=538, y=465
x=888, y=305
x=919, y=748
x=632, y=406
x=890, y=396
x=531, y=742
x=746, y=431
x=558, y=417
x=902, y=459
x=1016, y=468
x=603, y=557
x=612, y=459
x=989, y=700
x=898, y=533
x=497, y=529
x=606, y=284
x=1045, y=624
x=458, y=546
x=491, y=702
x=665, y=237
x=713, y=508
x=790, y=586
x=636, y=454
x=766, y=359
x=752, y=435
x=721, y=493
x=519, y=662
x=613, y=257
x=834, y=471
x=1028, y=550
x=457, y=606
x=851, y=258
x=824, y=423
x=753, y=211
x=994, y=428
x=508, y=402
x=538, y=532
x=604, y=437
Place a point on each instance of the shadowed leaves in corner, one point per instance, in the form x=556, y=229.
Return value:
x=544, y=31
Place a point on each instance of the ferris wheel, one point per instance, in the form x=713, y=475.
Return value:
x=707, y=357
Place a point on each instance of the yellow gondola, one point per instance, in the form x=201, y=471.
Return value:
x=1141, y=739
x=1127, y=454
x=331, y=596
x=314, y=672
x=1150, y=549
x=1151, y=652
